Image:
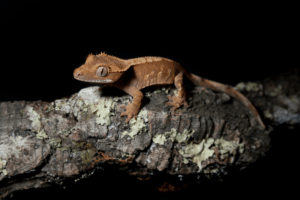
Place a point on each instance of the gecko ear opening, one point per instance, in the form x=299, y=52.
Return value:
x=102, y=71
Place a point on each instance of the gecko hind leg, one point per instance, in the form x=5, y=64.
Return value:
x=180, y=99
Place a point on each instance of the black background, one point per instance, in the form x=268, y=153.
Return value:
x=43, y=42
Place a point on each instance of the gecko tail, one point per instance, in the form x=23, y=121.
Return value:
x=197, y=80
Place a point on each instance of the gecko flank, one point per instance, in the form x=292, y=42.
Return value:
x=132, y=75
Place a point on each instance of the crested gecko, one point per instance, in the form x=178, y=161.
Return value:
x=132, y=75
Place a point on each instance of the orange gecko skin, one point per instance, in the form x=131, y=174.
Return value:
x=134, y=74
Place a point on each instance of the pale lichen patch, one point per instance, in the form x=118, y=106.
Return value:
x=202, y=151
x=12, y=146
x=229, y=146
x=2, y=166
x=34, y=117
x=90, y=95
x=205, y=154
x=240, y=86
x=137, y=125
x=65, y=105
x=58, y=104
x=199, y=152
x=55, y=142
x=250, y=86
x=175, y=92
x=172, y=134
x=103, y=109
x=183, y=137
x=268, y=114
x=192, y=149
x=274, y=91
x=41, y=135
x=67, y=131
x=159, y=139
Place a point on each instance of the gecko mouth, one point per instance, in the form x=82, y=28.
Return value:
x=94, y=81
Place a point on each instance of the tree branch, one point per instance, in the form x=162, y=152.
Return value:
x=68, y=138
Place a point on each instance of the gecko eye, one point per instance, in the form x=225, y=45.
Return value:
x=102, y=71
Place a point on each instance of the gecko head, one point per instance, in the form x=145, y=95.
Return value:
x=96, y=70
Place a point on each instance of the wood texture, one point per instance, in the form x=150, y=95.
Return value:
x=51, y=143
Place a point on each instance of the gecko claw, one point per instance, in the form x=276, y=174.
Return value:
x=122, y=114
x=176, y=102
x=128, y=119
x=123, y=107
x=186, y=104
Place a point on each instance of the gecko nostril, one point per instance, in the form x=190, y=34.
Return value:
x=77, y=73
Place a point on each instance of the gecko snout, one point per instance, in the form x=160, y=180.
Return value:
x=77, y=73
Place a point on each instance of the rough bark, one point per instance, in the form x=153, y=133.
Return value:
x=52, y=143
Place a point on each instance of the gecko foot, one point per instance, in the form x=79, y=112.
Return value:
x=131, y=111
x=176, y=102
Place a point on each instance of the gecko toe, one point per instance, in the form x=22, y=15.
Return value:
x=186, y=105
x=122, y=114
x=123, y=107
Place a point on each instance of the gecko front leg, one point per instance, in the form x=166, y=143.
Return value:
x=180, y=99
x=132, y=109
